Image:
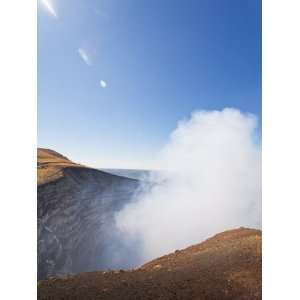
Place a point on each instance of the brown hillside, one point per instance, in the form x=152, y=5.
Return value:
x=50, y=165
x=226, y=266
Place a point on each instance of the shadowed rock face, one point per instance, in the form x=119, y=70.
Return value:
x=76, y=206
x=224, y=267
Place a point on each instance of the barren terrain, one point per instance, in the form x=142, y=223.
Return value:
x=226, y=266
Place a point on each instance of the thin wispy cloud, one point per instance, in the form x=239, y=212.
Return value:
x=47, y=4
x=83, y=54
x=103, y=84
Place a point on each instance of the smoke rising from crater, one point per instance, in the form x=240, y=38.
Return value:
x=212, y=183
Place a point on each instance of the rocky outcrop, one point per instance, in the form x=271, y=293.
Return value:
x=226, y=266
x=76, y=207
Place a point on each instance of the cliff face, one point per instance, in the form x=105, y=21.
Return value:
x=76, y=207
x=226, y=266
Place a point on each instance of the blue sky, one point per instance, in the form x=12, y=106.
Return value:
x=115, y=77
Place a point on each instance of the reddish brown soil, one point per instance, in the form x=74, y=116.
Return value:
x=226, y=266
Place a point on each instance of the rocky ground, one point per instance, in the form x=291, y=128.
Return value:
x=226, y=266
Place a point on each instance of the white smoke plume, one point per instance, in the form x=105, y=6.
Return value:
x=212, y=183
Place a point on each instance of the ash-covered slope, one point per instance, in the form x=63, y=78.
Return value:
x=130, y=173
x=76, y=205
x=226, y=266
